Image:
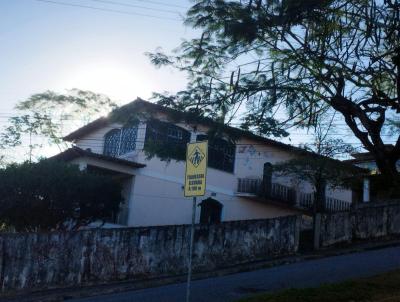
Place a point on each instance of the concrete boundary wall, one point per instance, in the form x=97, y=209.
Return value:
x=366, y=222
x=56, y=259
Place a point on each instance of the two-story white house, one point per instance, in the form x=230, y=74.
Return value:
x=239, y=180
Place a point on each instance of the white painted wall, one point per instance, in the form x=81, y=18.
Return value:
x=156, y=201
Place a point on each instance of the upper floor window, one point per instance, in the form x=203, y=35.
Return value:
x=120, y=141
x=221, y=153
x=175, y=133
x=166, y=140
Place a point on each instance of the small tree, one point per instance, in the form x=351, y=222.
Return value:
x=52, y=195
x=320, y=169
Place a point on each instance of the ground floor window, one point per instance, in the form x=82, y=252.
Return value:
x=211, y=211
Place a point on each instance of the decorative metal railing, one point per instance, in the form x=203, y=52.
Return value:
x=336, y=205
x=287, y=195
x=275, y=191
x=306, y=201
x=249, y=185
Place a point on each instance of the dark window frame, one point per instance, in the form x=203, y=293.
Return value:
x=221, y=153
x=166, y=139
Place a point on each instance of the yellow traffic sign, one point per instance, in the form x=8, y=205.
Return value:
x=196, y=169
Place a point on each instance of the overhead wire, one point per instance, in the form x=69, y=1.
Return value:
x=135, y=6
x=106, y=9
x=161, y=3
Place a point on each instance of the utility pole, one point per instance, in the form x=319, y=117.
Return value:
x=189, y=276
x=195, y=185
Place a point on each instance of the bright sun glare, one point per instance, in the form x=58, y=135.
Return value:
x=110, y=78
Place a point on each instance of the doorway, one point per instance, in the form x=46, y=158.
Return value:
x=211, y=211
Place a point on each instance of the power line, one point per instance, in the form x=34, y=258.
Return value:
x=106, y=10
x=10, y=115
x=135, y=6
x=161, y=3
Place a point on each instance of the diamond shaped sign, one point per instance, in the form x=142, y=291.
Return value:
x=196, y=169
x=196, y=157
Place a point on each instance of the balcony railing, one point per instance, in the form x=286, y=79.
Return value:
x=287, y=195
x=249, y=185
x=306, y=201
x=276, y=191
x=336, y=205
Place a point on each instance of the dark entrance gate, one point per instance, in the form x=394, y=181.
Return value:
x=211, y=211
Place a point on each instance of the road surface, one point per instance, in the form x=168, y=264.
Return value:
x=232, y=287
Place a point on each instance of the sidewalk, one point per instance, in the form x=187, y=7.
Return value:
x=117, y=287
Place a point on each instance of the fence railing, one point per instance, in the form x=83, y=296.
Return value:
x=287, y=195
x=306, y=201
x=283, y=193
x=249, y=185
x=336, y=205
x=276, y=191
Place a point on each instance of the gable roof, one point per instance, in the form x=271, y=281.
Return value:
x=143, y=106
x=140, y=104
x=76, y=152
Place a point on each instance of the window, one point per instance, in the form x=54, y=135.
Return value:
x=221, y=153
x=175, y=133
x=166, y=140
x=211, y=211
x=128, y=140
x=120, y=141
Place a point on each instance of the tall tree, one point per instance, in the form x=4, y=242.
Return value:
x=47, y=116
x=300, y=58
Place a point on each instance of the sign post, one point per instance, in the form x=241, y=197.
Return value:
x=195, y=185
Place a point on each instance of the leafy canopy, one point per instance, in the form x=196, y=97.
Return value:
x=288, y=61
x=49, y=115
x=52, y=195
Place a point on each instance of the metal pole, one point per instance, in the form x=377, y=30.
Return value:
x=189, y=277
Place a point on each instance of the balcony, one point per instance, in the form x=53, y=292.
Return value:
x=275, y=191
x=286, y=195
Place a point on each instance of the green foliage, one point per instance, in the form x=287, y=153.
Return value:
x=160, y=143
x=288, y=62
x=319, y=169
x=315, y=169
x=47, y=116
x=52, y=195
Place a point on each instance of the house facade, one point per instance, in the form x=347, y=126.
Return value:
x=240, y=184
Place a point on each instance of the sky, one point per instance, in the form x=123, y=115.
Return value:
x=44, y=45
x=96, y=45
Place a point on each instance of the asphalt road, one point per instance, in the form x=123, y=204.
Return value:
x=303, y=274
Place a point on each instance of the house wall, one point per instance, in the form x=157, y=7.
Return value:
x=95, y=140
x=157, y=195
x=157, y=201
